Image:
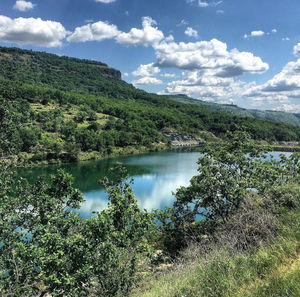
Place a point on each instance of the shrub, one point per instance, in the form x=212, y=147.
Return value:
x=46, y=247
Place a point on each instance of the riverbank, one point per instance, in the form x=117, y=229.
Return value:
x=27, y=159
x=282, y=148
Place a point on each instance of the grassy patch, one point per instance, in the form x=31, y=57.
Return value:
x=269, y=271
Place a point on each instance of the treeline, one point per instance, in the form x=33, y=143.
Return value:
x=63, y=73
x=65, y=124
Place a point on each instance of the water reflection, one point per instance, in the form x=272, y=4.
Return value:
x=156, y=176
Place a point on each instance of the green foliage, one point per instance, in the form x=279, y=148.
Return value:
x=282, y=197
x=46, y=247
x=72, y=93
x=227, y=174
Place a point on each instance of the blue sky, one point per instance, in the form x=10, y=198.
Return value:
x=244, y=52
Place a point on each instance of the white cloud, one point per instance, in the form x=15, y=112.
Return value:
x=202, y=3
x=147, y=81
x=297, y=50
x=274, y=31
x=220, y=11
x=22, y=5
x=149, y=35
x=169, y=38
x=146, y=70
x=169, y=75
x=287, y=80
x=191, y=32
x=293, y=108
x=285, y=39
x=257, y=33
x=105, y=1
x=283, y=86
x=206, y=55
x=206, y=86
x=96, y=31
x=31, y=31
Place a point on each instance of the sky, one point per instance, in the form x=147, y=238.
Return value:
x=244, y=52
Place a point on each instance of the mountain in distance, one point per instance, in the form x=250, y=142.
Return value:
x=278, y=116
x=86, y=76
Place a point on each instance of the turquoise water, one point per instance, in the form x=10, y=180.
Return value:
x=156, y=176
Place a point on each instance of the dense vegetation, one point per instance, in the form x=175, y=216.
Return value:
x=278, y=116
x=244, y=235
x=61, y=108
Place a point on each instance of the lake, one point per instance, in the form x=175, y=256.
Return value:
x=156, y=176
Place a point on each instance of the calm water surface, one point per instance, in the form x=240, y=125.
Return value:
x=155, y=175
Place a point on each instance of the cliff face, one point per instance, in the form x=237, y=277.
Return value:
x=182, y=140
x=64, y=73
x=40, y=62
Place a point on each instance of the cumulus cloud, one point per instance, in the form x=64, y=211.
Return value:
x=146, y=70
x=147, y=81
x=297, y=50
x=283, y=87
x=22, y=5
x=286, y=82
x=31, y=31
x=274, y=31
x=97, y=31
x=293, y=108
x=105, y=1
x=218, y=94
x=257, y=33
x=206, y=86
x=206, y=55
x=149, y=35
x=191, y=32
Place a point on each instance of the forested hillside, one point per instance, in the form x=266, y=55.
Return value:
x=279, y=116
x=64, y=108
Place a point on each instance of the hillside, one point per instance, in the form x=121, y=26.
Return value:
x=59, y=108
x=279, y=116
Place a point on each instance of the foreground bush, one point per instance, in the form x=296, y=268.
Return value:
x=227, y=175
x=46, y=247
x=255, y=254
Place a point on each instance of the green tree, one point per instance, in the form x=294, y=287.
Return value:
x=46, y=247
x=227, y=174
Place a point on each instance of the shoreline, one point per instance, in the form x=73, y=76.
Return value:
x=132, y=151
x=92, y=156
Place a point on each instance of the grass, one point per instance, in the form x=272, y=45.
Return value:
x=271, y=271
